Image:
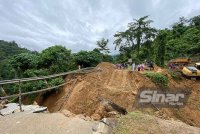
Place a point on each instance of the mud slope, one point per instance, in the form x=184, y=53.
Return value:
x=82, y=94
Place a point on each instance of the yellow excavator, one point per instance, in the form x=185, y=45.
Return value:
x=192, y=71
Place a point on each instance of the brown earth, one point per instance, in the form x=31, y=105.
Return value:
x=83, y=92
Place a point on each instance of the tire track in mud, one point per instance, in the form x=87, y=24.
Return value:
x=108, y=80
x=112, y=79
x=118, y=79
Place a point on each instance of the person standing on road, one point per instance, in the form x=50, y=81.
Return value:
x=138, y=67
x=133, y=67
x=142, y=67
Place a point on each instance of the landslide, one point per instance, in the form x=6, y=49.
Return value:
x=83, y=94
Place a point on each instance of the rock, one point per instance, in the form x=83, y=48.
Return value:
x=113, y=114
x=157, y=112
x=3, y=103
x=79, y=79
x=1, y=106
x=134, y=93
x=172, y=119
x=81, y=116
x=96, y=117
x=87, y=118
x=35, y=103
x=16, y=110
x=67, y=113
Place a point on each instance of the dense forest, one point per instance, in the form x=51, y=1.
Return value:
x=140, y=41
x=19, y=62
x=7, y=51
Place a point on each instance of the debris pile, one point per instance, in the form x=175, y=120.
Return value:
x=82, y=92
x=11, y=108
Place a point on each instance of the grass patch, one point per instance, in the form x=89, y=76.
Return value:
x=158, y=78
x=136, y=123
x=135, y=115
x=125, y=124
x=176, y=75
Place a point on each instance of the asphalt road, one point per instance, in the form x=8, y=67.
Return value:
x=45, y=123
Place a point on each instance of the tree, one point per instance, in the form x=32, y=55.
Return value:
x=195, y=21
x=141, y=31
x=179, y=27
x=138, y=33
x=24, y=61
x=9, y=49
x=88, y=58
x=160, y=46
x=56, y=58
x=103, y=45
x=124, y=39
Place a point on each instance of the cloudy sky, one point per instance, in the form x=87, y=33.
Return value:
x=77, y=24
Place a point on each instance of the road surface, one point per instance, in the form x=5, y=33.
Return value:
x=45, y=123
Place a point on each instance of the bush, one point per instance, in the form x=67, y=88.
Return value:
x=52, y=82
x=33, y=85
x=35, y=72
x=158, y=78
x=55, y=82
x=175, y=74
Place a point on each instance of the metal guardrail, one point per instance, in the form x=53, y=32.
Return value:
x=32, y=92
x=4, y=82
x=19, y=81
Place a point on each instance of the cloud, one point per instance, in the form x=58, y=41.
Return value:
x=78, y=24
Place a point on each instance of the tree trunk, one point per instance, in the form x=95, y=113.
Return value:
x=138, y=46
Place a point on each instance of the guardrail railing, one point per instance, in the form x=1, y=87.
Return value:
x=19, y=81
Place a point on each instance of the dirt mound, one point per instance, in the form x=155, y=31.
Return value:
x=106, y=65
x=83, y=94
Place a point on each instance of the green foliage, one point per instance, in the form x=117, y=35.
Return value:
x=186, y=46
x=35, y=72
x=158, y=78
x=102, y=45
x=107, y=58
x=138, y=34
x=56, y=58
x=160, y=48
x=7, y=71
x=33, y=86
x=9, y=49
x=195, y=22
x=24, y=61
x=135, y=115
x=88, y=59
x=181, y=40
x=55, y=82
x=37, y=85
x=140, y=41
x=175, y=74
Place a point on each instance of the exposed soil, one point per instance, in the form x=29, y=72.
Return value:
x=83, y=92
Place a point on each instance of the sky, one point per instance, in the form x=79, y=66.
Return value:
x=78, y=24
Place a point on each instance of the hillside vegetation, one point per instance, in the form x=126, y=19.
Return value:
x=140, y=42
